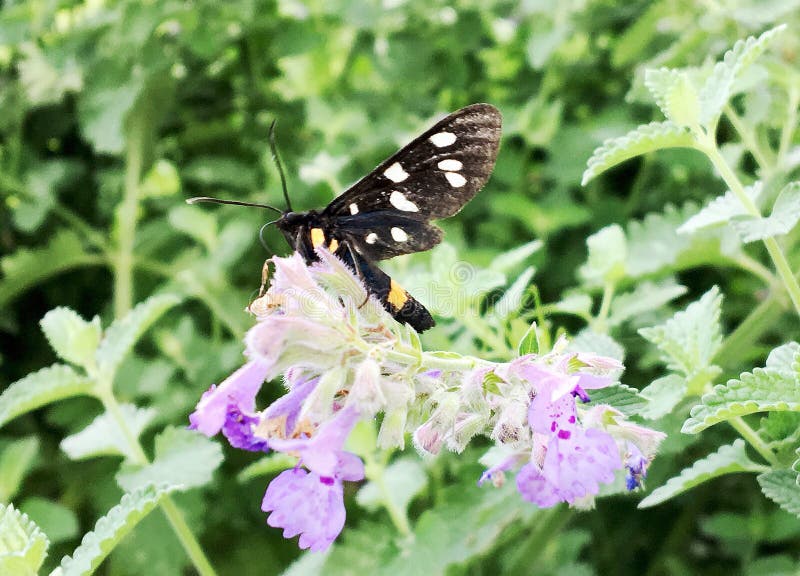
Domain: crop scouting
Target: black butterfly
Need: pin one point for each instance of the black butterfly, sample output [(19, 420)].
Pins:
[(388, 212)]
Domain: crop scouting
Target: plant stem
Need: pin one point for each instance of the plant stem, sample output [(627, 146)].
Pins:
[(126, 217), (775, 252), (599, 323), (754, 439), (168, 507), (748, 138), (790, 125), (757, 322)]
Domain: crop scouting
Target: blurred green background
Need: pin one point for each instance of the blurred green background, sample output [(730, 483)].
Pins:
[(112, 113)]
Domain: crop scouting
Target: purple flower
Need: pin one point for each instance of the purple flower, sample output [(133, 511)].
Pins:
[(312, 503), (239, 429), (636, 466), (304, 503), (239, 389), (289, 405)]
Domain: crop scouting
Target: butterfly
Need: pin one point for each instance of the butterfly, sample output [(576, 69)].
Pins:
[(389, 211)]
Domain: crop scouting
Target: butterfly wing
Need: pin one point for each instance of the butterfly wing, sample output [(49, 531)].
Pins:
[(432, 177)]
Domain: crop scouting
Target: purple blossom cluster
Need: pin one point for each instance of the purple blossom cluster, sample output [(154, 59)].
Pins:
[(344, 359)]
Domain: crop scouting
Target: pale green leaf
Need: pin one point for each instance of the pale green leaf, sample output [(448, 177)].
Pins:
[(624, 398), (103, 437), (646, 297), (644, 139), (23, 546), (102, 111), (663, 394), (507, 261), (675, 94), (608, 250), (575, 303), (728, 459), (161, 180), (15, 462), (720, 210), (781, 487), (266, 465), (123, 333), (73, 338), (587, 340), (719, 86), (401, 481), (183, 458), (529, 343), (29, 266), (689, 340), (56, 520), (111, 529), (42, 387), (762, 390), (195, 222), (512, 299), (784, 217), (783, 358)]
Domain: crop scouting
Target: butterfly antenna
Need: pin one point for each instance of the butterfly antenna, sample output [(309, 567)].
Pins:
[(277, 159), (198, 199)]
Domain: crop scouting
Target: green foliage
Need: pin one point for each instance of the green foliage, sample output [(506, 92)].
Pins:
[(22, 544), (73, 339), (110, 529), (727, 460), (16, 460), (781, 487), (104, 437), (784, 217)]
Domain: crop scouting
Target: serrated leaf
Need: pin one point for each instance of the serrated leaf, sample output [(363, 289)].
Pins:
[(57, 521), (15, 462), (401, 481), (663, 394), (719, 86), (760, 391), (783, 358), (73, 338), (781, 487), (123, 333), (608, 250), (644, 139), (37, 389), (110, 529), (728, 459), (183, 458), (27, 267), (624, 398), (689, 340), (675, 94), (784, 217), (103, 437), (720, 210), (646, 297), (23, 546)]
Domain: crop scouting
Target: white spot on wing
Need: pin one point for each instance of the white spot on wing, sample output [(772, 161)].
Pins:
[(442, 139), (399, 234), (399, 201), (456, 180), (353, 208), (395, 173), (371, 238), (450, 165)]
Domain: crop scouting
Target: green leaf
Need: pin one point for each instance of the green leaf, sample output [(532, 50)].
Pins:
[(727, 460), (719, 86), (402, 480), (781, 487), (267, 465), (600, 343), (608, 250), (624, 398), (23, 546), (689, 340), (721, 210), (644, 139), (102, 112), (782, 358), (15, 462), (196, 223), (27, 267), (507, 261), (512, 300), (675, 94), (762, 390), (161, 180), (37, 389), (784, 217), (103, 437), (57, 521), (73, 338), (123, 333), (646, 297), (663, 394), (110, 529), (183, 458), (529, 343)]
